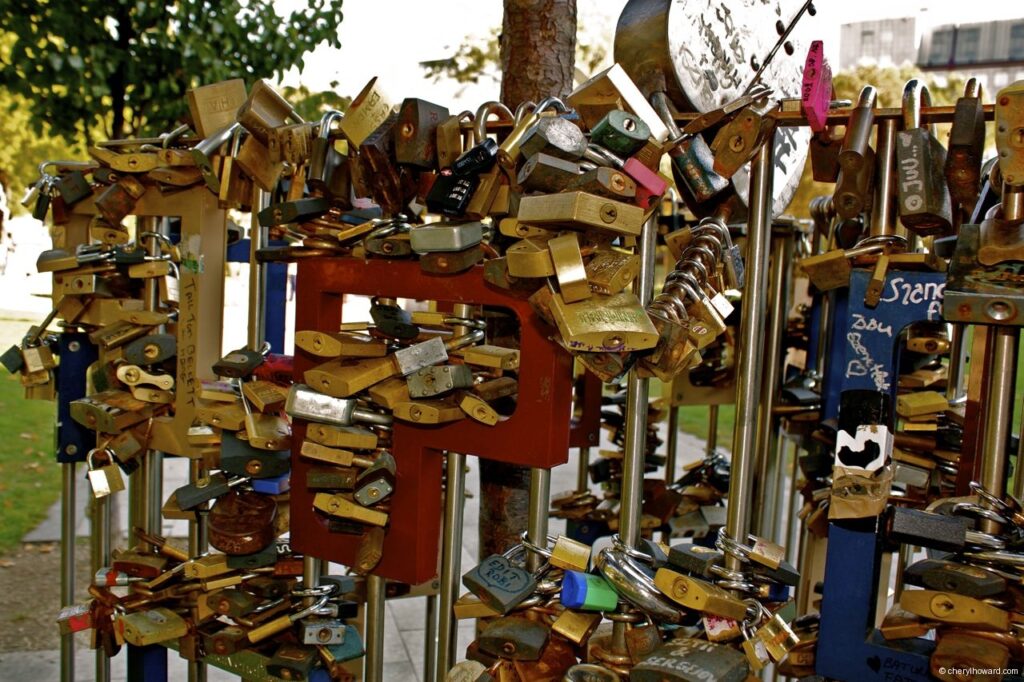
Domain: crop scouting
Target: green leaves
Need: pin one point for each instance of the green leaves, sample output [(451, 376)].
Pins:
[(122, 65)]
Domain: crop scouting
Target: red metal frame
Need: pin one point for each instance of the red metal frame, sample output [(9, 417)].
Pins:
[(537, 434)]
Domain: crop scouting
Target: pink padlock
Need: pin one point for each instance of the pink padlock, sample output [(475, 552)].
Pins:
[(816, 90), (649, 185)]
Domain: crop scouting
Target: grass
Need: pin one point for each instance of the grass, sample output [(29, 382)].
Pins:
[(30, 478)]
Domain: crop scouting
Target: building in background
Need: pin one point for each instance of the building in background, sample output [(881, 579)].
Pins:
[(992, 51), (886, 42)]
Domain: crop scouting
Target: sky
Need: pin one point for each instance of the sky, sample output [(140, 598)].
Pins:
[(390, 38)]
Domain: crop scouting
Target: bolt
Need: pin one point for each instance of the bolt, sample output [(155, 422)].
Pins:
[(628, 124), (74, 346), (1004, 100), (71, 449), (408, 129)]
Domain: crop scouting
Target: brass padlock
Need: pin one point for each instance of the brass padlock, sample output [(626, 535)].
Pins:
[(340, 380), (604, 323), (580, 210), (569, 269), (105, 479)]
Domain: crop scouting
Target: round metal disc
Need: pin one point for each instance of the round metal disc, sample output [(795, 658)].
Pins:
[(708, 53)]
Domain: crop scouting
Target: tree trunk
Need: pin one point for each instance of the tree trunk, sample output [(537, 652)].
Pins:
[(538, 55), (538, 49)]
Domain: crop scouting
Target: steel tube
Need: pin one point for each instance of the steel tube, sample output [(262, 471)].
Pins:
[(766, 449), (374, 628), (583, 470), (882, 212), (751, 346), (451, 563), (671, 442), (998, 419), (100, 558), (430, 639), (537, 521), (198, 543), (712, 442), (637, 392), (257, 273), (68, 522)]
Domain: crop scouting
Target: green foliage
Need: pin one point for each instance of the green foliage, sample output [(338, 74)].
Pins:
[(124, 66), (23, 148), (29, 474), (889, 82), (312, 105), (476, 59)]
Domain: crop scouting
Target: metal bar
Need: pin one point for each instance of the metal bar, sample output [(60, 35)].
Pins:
[(430, 640), (751, 347), (257, 273), (955, 375), (637, 391), (883, 210), (998, 419), (766, 449), (375, 599), (537, 522), (672, 443), (583, 470), (310, 577), (67, 565), (198, 543), (100, 558), (712, 442), (451, 563)]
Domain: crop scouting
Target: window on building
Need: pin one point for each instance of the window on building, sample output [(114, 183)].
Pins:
[(968, 45), (886, 39), (1017, 41), (868, 43), (941, 48)]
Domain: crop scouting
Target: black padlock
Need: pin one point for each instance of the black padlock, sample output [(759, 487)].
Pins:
[(966, 147), (376, 482), (151, 349), (451, 193), (293, 211), (293, 662), (924, 201), (478, 159), (392, 321), (514, 638), (241, 459), (949, 576), (74, 187), (238, 364)]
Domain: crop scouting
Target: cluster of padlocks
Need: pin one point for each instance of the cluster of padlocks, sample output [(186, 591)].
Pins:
[(508, 259)]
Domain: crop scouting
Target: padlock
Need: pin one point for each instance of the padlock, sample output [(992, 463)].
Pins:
[(214, 106), (340, 344), (604, 323), (449, 139), (477, 159), (254, 160), (322, 631), (546, 173), (614, 89), (73, 187), (554, 136), (293, 662), (340, 506), (419, 355), (416, 133), (478, 409), (428, 411), (225, 641), (243, 459), (966, 147), (924, 201), (689, 659), (110, 411), (445, 237), (331, 478), (377, 481), (620, 132), (370, 108), (587, 592), (389, 185), (118, 200), (264, 110), (610, 271), (650, 185), (370, 550), (323, 157), (499, 583), (296, 211), (514, 638), (205, 489), (956, 609), (738, 140), (605, 182), (696, 560), (232, 602), (392, 321), (529, 257), (580, 210), (852, 194), (816, 87), (569, 269), (693, 170), (699, 595), (341, 379), (486, 355), (509, 151), (151, 626), (342, 436), (388, 392), (105, 479), (575, 626), (434, 381), (239, 363), (938, 574)]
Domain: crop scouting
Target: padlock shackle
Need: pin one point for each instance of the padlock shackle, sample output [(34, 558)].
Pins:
[(915, 95), (484, 112), (867, 98), (972, 88), (326, 121), (551, 103)]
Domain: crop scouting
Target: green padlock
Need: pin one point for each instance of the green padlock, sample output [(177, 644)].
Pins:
[(587, 592), (620, 132)]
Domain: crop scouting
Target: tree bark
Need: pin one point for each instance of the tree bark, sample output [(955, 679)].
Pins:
[(538, 49), (538, 55)]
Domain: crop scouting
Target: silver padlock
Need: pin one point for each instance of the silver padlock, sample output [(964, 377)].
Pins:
[(445, 237), (420, 355), (323, 631), (431, 381)]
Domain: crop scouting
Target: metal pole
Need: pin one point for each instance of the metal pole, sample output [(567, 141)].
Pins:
[(751, 347), (712, 443), (766, 448), (451, 563), (430, 640), (957, 359), (257, 272), (583, 470), (999, 403), (451, 545), (882, 211), (374, 628), (637, 391), (100, 558), (198, 543), (67, 565), (672, 441), (537, 522)]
